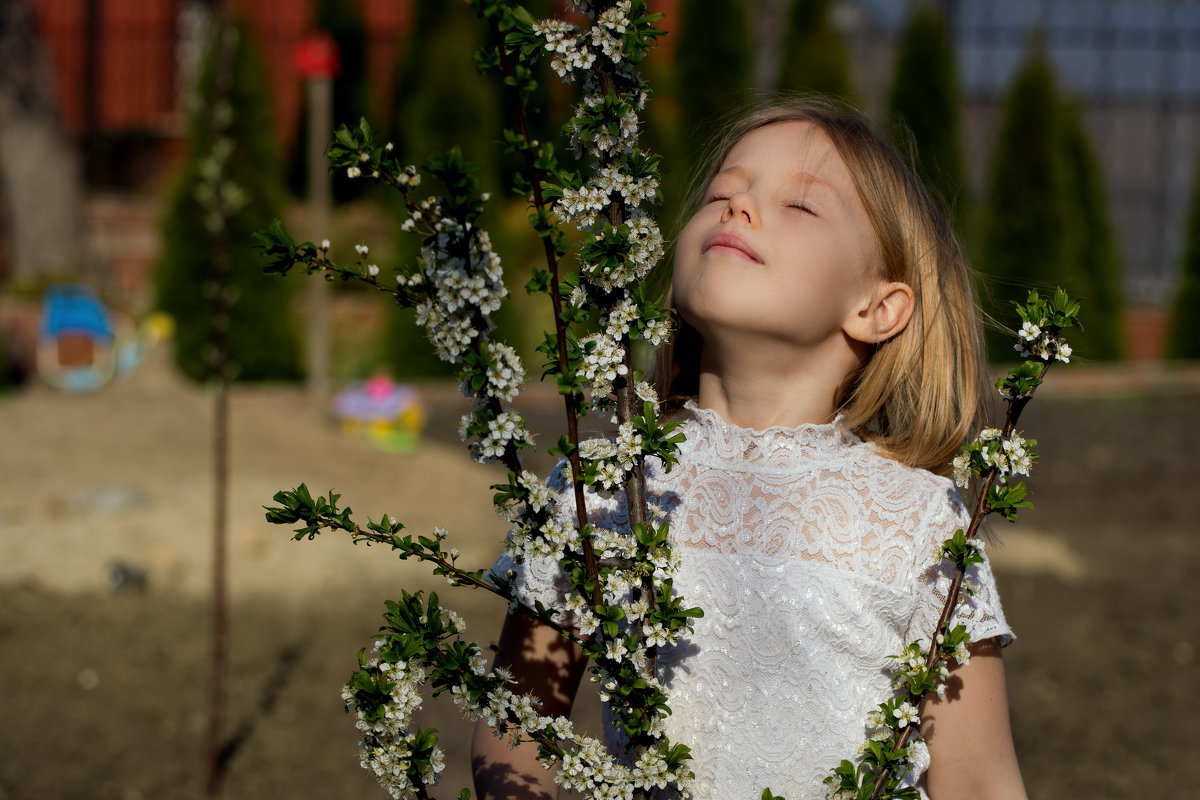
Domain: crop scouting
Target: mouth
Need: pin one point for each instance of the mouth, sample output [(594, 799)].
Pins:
[(731, 244)]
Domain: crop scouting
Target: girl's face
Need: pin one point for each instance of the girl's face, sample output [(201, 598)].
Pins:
[(782, 247)]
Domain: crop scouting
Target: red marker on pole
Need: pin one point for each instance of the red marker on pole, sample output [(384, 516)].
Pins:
[(316, 57)]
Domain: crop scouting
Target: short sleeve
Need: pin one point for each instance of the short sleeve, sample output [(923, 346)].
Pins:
[(980, 610), (540, 578)]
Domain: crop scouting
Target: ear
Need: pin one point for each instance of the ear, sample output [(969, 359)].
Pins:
[(883, 314)]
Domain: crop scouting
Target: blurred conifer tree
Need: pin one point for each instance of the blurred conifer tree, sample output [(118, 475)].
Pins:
[(441, 100), (1093, 268), (1024, 243), (1046, 219), (712, 69), (263, 343), (814, 55), (351, 97), (925, 104), (1183, 340)]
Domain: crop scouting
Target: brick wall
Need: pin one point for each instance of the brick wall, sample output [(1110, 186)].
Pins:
[(116, 62), (126, 78)]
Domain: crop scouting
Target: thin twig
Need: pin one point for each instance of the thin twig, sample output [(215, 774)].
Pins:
[(982, 509), (570, 401)]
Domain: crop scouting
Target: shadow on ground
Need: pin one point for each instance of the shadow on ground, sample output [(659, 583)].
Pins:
[(103, 690)]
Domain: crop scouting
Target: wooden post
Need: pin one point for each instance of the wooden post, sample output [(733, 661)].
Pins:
[(316, 57), (320, 125)]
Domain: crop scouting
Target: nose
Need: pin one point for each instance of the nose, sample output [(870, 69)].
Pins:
[(741, 205)]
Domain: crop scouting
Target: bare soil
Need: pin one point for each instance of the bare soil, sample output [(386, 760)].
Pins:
[(105, 542)]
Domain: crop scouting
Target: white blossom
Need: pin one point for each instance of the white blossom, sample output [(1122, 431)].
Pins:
[(386, 746), (905, 714), (581, 206), (506, 428), (540, 495), (656, 634), (645, 392), (505, 373), (463, 291), (455, 620), (616, 649), (962, 470), (1038, 342), (603, 364), (629, 445), (570, 54)]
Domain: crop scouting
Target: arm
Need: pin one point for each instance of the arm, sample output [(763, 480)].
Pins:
[(970, 742), (548, 666)]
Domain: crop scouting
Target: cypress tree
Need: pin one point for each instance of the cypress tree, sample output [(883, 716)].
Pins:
[(1183, 340), (351, 99), (814, 55), (1093, 269), (1024, 243), (262, 340), (440, 101), (924, 103), (712, 68)]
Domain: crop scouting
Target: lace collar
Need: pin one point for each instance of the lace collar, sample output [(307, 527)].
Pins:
[(713, 439)]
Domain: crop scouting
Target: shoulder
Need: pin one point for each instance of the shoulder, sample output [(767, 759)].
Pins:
[(931, 497)]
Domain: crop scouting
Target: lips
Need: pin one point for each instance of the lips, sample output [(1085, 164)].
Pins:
[(732, 244)]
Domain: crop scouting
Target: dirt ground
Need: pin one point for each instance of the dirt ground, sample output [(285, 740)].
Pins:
[(103, 686)]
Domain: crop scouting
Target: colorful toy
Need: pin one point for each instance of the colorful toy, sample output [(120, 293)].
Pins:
[(77, 349), (389, 415)]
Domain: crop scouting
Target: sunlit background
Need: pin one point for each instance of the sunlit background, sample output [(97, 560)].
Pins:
[(1061, 136)]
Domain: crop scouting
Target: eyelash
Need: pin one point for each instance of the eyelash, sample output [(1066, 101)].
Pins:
[(801, 206), (715, 198)]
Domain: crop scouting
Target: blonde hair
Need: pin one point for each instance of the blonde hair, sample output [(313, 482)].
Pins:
[(921, 394)]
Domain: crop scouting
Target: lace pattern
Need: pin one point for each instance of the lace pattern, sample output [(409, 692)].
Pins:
[(810, 554)]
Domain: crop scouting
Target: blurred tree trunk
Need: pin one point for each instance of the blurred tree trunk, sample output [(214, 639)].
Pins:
[(41, 174)]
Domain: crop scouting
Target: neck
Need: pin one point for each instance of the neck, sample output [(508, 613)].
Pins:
[(757, 385)]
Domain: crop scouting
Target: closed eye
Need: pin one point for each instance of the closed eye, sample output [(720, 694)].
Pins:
[(716, 198), (804, 207)]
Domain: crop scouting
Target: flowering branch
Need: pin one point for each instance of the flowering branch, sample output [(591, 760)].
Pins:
[(620, 581), (619, 245), (886, 759), (540, 166)]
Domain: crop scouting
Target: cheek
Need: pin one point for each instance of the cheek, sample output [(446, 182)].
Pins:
[(687, 253)]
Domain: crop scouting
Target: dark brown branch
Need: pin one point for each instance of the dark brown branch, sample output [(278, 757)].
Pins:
[(570, 401), (982, 509)]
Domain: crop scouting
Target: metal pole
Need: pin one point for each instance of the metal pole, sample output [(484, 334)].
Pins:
[(320, 123)]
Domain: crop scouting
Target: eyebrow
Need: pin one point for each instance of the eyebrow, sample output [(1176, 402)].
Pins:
[(801, 176)]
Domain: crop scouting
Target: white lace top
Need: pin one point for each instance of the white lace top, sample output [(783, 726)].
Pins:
[(810, 554)]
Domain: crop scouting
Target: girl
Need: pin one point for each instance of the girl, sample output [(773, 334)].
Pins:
[(829, 364)]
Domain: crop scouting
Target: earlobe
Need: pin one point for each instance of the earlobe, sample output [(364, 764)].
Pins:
[(885, 314)]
